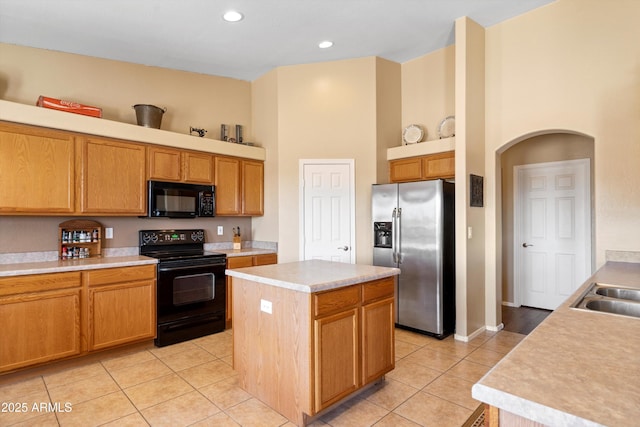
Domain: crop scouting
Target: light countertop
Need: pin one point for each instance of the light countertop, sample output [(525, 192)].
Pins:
[(577, 367), (60, 266), (244, 252), (312, 275)]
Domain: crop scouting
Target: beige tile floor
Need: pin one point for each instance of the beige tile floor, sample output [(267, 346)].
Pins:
[(193, 384)]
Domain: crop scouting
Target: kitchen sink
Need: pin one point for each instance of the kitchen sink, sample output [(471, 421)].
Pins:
[(610, 299), (619, 293)]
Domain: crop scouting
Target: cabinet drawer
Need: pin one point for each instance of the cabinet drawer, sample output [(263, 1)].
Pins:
[(331, 301), (382, 288), (239, 261), (38, 283), (266, 259), (106, 276)]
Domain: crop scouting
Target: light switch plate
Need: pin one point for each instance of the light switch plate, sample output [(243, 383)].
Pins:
[(266, 306), (108, 233), (220, 230)]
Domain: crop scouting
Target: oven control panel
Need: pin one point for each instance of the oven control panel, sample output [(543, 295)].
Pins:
[(168, 237)]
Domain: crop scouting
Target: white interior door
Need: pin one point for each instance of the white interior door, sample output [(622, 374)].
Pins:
[(552, 231), (327, 211)]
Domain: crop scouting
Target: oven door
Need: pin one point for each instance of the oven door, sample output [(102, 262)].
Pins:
[(186, 291)]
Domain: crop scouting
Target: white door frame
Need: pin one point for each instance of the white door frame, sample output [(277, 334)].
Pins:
[(352, 200), (517, 223)]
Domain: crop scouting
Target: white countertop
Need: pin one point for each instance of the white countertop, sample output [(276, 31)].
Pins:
[(312, 275), (60, 266), (577, 368)]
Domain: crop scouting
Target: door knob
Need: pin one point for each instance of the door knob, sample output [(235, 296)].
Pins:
[(526, 245), (344, 248)]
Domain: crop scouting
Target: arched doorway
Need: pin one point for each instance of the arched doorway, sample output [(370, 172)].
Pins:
[(541, 147)]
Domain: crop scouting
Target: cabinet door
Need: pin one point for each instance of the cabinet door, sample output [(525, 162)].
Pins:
[(405, 170), (337, 358), (441, 165), (198, 167), (378, 355), (252, 188), (164, 163), (265, 259), (113, 177), (37, 170), (39, 327), (227, 181), (121, 313)]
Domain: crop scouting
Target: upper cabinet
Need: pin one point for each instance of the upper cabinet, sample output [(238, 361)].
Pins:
[(171, 164), (49, 172), (432, 166), (37, 170), (113, 177), (239, 186)]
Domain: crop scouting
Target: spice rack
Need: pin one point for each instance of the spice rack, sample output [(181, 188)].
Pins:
[(80, 238)]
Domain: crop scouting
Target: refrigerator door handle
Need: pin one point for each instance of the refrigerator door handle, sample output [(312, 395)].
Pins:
[(399, 236), (394, 234)]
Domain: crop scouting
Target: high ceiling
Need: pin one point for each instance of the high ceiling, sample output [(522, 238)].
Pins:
[(190, 35)]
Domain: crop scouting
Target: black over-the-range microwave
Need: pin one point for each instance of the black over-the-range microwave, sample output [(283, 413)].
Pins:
[(180, 200)]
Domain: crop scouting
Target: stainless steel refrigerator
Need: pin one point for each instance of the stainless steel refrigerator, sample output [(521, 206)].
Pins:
[(414, 230)]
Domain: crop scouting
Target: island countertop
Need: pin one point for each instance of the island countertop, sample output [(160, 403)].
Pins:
[(577, 367), (312, 275)]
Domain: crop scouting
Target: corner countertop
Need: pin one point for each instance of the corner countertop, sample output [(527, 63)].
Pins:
[(312, 275), (577, 367), (61, 266)]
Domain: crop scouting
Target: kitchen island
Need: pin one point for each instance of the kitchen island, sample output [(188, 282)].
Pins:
[(310, 334), (577, 368)]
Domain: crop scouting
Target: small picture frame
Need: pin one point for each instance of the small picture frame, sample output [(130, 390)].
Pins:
[(477, 196)]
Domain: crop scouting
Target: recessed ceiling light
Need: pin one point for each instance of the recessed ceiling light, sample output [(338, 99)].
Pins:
[(232, 16), (325, 44)]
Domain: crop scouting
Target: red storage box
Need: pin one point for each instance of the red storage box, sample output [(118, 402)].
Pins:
[(70, 107)]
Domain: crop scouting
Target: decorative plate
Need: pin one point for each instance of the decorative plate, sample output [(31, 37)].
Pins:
[(447, 127), (412, 134)]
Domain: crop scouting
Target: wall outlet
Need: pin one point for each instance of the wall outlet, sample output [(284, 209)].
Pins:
[(266, 306), (108, 233), (469, 233), (220, 230)]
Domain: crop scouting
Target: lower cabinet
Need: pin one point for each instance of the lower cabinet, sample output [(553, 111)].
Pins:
[(40, 318), (353, 339), (122, 306), (240, 262), (46, 317), (305, 352)]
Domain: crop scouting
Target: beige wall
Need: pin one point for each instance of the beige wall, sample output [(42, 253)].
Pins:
[(570, 66), (324, 111), (191, 100), (428, 91), (538, 149)]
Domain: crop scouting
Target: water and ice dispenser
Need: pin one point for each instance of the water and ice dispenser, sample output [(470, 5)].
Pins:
[(382, 234)]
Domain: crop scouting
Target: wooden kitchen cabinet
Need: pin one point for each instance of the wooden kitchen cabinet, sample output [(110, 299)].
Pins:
[(252, 188), (37, 170), (354, 340), (433, 166), (240, 262), (170, 164), (239, 186), (113, 178), (40, 317), (121, 305), (336, 344), (378, 329)]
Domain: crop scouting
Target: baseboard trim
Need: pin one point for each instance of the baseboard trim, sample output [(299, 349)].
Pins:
[(510, 304), (470, 336), (496, 328)]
